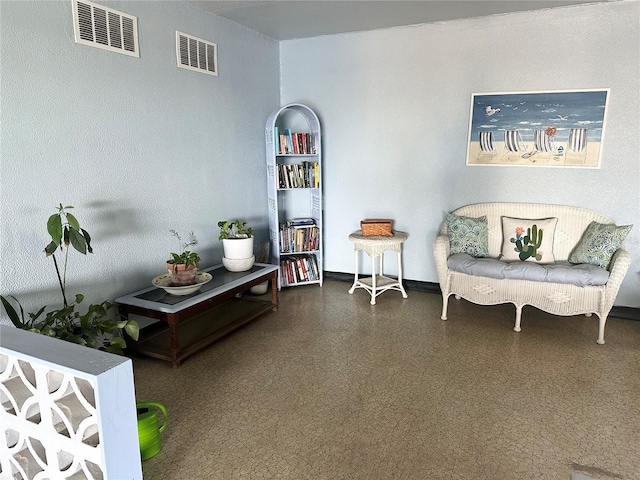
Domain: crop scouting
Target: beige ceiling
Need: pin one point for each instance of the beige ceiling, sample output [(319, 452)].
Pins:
[(285, 20)]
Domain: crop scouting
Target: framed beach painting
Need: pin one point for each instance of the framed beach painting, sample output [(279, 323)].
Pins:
[(545, 129)]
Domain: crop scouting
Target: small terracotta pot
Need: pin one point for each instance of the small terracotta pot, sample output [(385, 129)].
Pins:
[(181, 276)]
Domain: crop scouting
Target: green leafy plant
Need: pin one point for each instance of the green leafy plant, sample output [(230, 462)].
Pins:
[(95, 328), (185, 257), (234, 230)]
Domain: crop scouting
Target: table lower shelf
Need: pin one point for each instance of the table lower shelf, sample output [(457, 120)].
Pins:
[(382, 285), (381, 282), (201, 330)]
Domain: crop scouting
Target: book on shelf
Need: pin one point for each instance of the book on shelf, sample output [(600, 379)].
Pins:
[(298, 176), (312, 144), (289, 139), (314, 266), (301, 222), (303, 175), (293, 143), (298, 239), (282, 144), (296, 269)]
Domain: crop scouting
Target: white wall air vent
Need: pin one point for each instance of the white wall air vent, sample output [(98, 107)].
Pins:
[(196, 54), (105, 28)]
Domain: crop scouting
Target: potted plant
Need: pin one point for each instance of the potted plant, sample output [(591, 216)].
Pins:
[(97, 327), (183, 266), (237, 243)]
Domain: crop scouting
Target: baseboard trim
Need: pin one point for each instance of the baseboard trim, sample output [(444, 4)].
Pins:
[(628, 313), (408, 284)]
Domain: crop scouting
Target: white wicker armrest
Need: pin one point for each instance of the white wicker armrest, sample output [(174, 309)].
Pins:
[(618, 268), (441, 253)]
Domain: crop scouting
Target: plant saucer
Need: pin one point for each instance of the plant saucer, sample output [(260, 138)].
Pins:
[(164, 282)]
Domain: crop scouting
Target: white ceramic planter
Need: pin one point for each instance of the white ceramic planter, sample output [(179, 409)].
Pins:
[(260, 289), (237, 248), (238, 264)]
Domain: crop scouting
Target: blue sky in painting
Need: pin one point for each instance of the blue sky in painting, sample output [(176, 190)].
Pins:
[(528, 112)]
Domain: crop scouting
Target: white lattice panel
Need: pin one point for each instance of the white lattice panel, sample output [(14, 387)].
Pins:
[(68, 412)]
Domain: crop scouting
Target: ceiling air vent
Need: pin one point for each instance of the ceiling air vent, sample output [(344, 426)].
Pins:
[(105, 28), (196, 54)]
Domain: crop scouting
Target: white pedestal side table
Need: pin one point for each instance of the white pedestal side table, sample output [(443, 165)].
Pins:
[(375, 247)]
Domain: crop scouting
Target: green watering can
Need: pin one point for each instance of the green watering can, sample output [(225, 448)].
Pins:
[(148, 429)]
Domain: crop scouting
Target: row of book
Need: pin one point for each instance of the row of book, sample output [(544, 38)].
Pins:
[(303, 268), (295, 239), (303, 175), (289, 143)]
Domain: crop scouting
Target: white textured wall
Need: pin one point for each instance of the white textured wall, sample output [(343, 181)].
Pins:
[(394, 107), (137, 145)]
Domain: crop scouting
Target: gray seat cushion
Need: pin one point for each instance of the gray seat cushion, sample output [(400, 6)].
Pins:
[(560, 272)]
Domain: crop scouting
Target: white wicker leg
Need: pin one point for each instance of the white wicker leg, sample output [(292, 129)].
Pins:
[(373, 279), (601, 323), (518, 318), (404, 293), (355, 280), (445, 303)]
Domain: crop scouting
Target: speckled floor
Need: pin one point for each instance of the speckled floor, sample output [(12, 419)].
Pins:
[(330, 387)]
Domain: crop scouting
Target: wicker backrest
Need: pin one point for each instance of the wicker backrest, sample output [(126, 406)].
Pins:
[(572, 222)]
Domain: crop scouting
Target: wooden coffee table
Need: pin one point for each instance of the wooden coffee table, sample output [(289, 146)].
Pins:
[(195, 321)]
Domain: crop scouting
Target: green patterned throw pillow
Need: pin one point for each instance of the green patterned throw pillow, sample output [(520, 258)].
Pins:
[(468, 235), (599, 242)]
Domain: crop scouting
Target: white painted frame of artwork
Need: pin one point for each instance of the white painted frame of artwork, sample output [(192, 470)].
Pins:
[(553, 128)]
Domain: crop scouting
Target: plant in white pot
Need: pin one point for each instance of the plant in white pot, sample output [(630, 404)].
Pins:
[(237, 243), (183, 266)]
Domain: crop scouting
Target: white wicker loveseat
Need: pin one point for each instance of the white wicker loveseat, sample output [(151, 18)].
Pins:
[(557, 298)]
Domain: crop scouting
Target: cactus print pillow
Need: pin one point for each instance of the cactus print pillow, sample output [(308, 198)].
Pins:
[(468, 235), (599, 243), (528, 240)]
